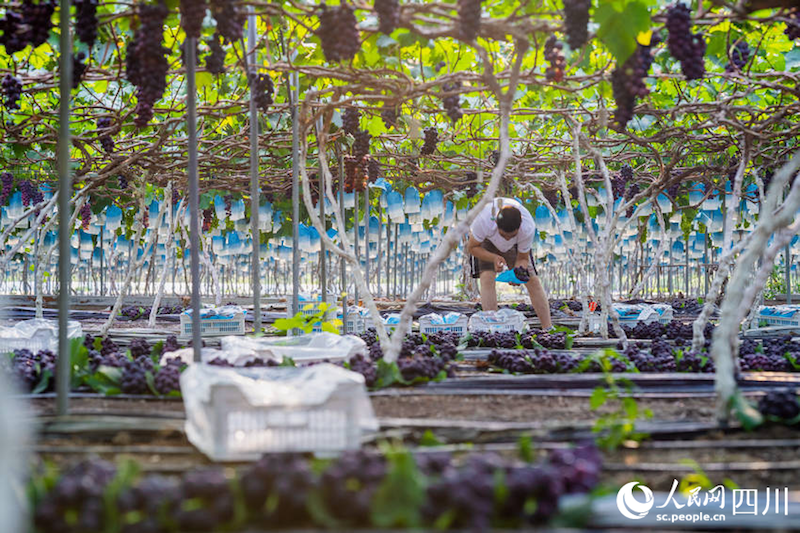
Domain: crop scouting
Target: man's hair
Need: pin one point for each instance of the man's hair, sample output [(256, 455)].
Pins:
[(509, 219)]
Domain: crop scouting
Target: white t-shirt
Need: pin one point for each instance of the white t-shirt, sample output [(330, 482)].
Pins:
[(484, 227)]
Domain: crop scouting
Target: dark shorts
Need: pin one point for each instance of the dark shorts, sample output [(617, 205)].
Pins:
[(478, 265)]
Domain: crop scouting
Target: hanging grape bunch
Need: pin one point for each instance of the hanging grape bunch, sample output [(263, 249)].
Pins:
[(215, 60), (618, 187), (554, 54), (361, 144), (431, 140), (103, 127), (373, 170), (792, 30), (684, 46), (176, 195), (452, 103), (7, 180), (123, 181), (351, 120), (494, 157), (38, 19), (674, 190), (192, 14), (471, 178), (78, 69), (86, 21), (26, 189), (632, 191), (313, 179), (354, 174), (12, 33), (552, 196), (388, 15), (740, 54), (228, 205), (261, 85), (389, 115), (576, 19), (31, 25), (338, 32), (230, 20), (12, 90), (208, 218), (86, 215), (469, 19), (626, 172), (627, 82), (147, 61), (766, 179)]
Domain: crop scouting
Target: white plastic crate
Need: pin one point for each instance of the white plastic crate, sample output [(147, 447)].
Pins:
[(308, 308), (499, 321), (214, 327), (430, 324), (240, 414), (780, 315)]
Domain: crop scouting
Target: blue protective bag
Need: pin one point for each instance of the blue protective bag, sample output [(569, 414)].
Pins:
[(509, 277)]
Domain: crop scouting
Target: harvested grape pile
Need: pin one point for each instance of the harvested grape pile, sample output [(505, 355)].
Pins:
[(101, 366), (421, 359), (358, 489), (661, 355)]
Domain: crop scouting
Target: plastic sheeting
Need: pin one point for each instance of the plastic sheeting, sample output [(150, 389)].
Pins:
[(35, 335)]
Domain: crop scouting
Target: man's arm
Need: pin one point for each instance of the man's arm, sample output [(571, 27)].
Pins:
[(475, 249)]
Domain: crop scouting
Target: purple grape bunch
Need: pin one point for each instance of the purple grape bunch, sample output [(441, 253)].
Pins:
[(686, 47), (12, 91)]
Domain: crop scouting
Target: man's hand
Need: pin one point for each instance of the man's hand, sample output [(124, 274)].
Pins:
[(499, 263)]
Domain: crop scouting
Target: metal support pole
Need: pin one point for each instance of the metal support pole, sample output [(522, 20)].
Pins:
[(64, 213), (671, 263), (705, 261), (355, 240), (396, 253), (788, 262), (194, 191), (366, 237), (378, 266), (255, 192), (686, 272), (388, 257), (323, 254), (341, 237), (293, 102)]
